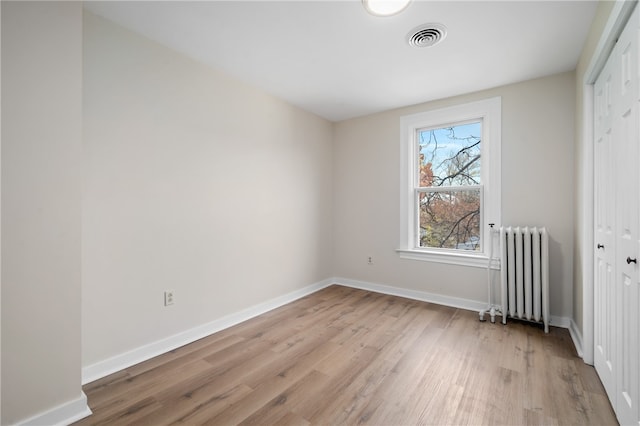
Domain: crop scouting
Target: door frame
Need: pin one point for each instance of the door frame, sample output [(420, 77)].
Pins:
[(615, 24)]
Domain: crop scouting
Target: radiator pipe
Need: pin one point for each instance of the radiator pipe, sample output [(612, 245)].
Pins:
[(491, 309)]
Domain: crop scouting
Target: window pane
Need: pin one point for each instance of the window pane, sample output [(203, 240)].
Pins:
[(450, 219), (450, 156)]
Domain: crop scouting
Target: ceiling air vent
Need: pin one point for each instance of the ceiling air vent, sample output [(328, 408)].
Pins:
[(427, 35)]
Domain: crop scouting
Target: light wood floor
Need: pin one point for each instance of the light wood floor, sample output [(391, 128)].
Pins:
[(347, 356)]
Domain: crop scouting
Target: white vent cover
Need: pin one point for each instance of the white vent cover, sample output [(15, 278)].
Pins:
[(427, 35)]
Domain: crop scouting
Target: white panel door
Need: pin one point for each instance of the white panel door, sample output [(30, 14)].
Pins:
[(617, 224), (604, 217), (626, 132)]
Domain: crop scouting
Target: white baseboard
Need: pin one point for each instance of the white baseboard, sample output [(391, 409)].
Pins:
[(63, 414), (562, 322), (455, 302), (143, 353), (576, 336)]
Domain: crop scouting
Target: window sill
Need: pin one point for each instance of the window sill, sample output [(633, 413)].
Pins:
[(461, 259)]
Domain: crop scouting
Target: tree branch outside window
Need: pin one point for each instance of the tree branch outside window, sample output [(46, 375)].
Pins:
[(449, 187)]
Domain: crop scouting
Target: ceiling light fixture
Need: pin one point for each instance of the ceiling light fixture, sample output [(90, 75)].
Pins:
[(385, 7)]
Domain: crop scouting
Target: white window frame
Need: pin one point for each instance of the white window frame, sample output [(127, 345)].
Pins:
[(489, 111)]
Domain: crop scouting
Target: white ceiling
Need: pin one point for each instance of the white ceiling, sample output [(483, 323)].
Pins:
[(337, 61)]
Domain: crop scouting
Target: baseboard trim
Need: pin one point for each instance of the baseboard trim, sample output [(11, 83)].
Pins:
[(454, 302), (562, 322), (63, 414), (576, 336), (143, 353)]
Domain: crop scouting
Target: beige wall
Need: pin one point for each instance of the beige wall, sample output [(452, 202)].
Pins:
[(193, 182), (41, 149), (599, 22), (537, 186)]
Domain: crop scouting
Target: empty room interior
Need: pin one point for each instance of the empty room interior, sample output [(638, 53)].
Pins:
[(320, 212)]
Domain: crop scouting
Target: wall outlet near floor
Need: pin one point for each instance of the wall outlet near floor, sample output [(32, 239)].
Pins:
[(168, 297)]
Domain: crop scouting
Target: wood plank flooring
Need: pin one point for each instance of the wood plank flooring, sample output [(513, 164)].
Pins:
[(347, 356)]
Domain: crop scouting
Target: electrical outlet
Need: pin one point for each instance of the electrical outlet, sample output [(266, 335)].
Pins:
[(370, 260), (168, 297)]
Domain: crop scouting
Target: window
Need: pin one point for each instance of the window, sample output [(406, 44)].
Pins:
[(449, 187), (450, 182)]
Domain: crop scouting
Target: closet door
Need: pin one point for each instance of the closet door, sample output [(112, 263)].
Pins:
[(617, 224), (627, 131), (604, 217)]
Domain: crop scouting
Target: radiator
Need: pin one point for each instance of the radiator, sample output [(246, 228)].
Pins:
[(524, 274)]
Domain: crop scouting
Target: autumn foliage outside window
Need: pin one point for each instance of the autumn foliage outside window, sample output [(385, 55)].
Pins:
[(449, 191)]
